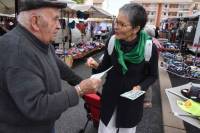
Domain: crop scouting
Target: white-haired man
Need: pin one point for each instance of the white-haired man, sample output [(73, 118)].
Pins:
[(31, 96)]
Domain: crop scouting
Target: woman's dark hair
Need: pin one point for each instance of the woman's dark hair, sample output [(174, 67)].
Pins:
[(136, 14)]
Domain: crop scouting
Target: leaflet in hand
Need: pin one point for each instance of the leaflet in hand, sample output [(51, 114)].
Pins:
[(100, 75), (132, 95)]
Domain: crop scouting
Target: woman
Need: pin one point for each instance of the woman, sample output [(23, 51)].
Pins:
[(130, 71)]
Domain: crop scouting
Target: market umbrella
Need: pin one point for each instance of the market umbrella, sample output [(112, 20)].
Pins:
[(94, 12), (174, 94), (7, 6)]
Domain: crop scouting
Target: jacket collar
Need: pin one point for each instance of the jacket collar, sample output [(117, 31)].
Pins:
[(35, 41)]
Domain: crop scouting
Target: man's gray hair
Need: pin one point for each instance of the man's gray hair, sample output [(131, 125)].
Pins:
[(24, 18)]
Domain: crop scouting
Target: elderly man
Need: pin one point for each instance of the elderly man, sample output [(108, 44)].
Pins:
[(31, 96)]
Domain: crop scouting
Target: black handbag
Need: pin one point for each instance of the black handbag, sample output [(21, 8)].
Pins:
[(192, 93)]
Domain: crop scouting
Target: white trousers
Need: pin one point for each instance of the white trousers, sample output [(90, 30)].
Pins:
[(111, 128)]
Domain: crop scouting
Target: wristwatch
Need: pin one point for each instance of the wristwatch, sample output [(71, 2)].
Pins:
[(80, 91)]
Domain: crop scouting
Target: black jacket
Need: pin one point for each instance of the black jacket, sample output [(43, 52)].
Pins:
[(129, 113), (31, 96)]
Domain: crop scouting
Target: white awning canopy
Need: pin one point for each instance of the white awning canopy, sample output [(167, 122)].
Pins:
[(7, 6), (7, 15), (94, 12)]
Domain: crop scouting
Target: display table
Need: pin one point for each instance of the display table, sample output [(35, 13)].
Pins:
[(79, 51), (83, 50), (174, 94)]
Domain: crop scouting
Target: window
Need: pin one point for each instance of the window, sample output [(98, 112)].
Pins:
[(173, 6), (181, 6), (153, 5), (146, 5), (172, 13), (195, 6)]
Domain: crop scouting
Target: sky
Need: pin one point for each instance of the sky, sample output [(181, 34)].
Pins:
[(112, 6)]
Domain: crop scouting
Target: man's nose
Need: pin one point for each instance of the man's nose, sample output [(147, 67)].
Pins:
[(58, 26)]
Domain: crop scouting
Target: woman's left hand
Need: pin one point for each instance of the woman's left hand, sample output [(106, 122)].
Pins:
[(137, 88), (91, 63)]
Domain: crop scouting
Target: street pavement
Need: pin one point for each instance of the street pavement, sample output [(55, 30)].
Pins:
[(73, 119)]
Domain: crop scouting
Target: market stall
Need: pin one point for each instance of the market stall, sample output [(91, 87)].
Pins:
[(83, 21), (181, 56), (7, 22), (96, 19)]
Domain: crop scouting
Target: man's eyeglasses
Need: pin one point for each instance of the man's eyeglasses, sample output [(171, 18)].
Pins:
[(121, 24)]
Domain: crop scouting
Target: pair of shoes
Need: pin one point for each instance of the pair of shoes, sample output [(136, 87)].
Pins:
[(147, 105)]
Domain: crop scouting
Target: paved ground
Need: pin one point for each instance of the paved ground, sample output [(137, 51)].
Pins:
[(74, 118)]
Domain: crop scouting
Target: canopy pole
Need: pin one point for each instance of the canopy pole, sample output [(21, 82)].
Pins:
[(16, 7)]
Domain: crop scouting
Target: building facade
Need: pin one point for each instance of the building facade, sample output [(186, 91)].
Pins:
[(160, 9), (97, 3), (195, 6)]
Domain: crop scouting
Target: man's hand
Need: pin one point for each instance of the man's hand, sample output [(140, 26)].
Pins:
[(90, 85)]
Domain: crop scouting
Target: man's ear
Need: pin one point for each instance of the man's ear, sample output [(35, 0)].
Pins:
[(34, 23)]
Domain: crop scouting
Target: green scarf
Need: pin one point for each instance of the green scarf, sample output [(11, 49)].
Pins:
[(136, 55)]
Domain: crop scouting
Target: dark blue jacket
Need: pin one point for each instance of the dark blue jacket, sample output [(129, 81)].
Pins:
[(31, 96)]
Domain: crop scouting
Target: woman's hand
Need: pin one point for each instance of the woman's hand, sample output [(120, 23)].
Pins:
[(91, 63), (136, 88)]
